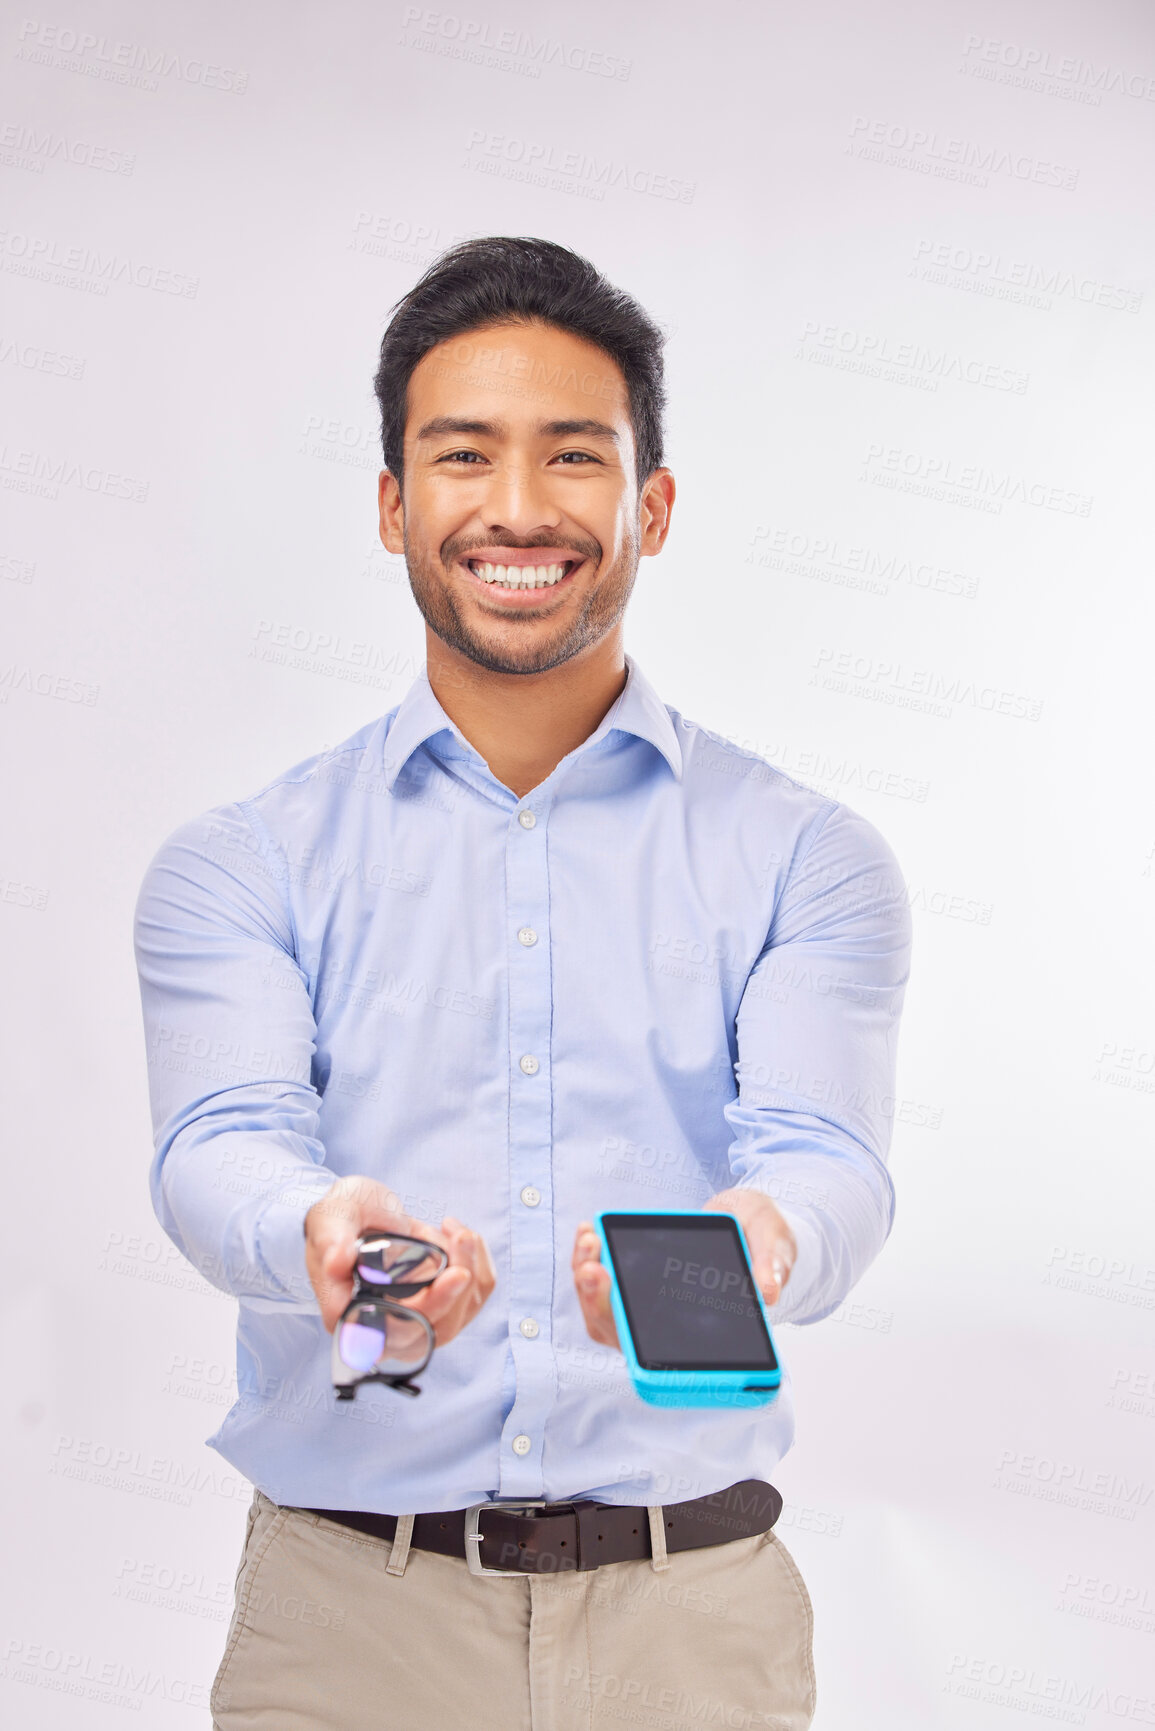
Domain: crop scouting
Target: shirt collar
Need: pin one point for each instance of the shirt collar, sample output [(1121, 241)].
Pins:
[(637, 710)]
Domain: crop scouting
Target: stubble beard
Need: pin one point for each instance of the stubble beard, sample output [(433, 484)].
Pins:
[(507, 647)]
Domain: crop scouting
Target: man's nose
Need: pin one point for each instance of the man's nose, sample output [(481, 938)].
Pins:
[(517, 500)]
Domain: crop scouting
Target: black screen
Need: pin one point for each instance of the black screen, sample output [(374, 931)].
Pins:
[(688, 1293)]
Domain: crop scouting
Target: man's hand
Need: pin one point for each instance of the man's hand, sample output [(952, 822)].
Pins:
[(356, 1205), (772, 1253)]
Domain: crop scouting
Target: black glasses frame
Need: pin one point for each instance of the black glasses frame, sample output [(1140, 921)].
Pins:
[(368, 1294)]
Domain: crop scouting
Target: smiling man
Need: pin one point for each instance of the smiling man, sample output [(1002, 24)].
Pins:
[(529, 946)]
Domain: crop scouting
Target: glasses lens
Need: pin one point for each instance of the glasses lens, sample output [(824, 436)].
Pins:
[(361, 1344), (372, 1339), (399, 1262)]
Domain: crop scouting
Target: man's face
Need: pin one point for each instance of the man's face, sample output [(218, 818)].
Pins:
[(521, 521)]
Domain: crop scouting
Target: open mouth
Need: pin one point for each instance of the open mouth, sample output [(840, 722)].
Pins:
[(521, 577)]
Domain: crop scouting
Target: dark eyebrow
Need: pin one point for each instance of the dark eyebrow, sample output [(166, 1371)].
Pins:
[(443, 424), (578, 430)]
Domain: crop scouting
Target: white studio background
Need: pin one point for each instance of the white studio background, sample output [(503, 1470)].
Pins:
[(904, 256)]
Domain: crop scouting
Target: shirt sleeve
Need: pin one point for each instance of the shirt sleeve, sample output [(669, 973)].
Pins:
[(230, 1038), (817, 1031)]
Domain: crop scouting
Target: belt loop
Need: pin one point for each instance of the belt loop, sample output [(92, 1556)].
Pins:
[(658, 1557), (402, 1538)]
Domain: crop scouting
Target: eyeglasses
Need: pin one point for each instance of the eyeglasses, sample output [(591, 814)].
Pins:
[(377, 1339)]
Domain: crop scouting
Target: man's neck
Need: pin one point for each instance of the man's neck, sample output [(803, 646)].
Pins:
[(523, 724)]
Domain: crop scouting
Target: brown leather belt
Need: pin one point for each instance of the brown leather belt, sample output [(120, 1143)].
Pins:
[(537, 1538)]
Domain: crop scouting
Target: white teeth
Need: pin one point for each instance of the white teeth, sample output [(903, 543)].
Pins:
[(519, 576)]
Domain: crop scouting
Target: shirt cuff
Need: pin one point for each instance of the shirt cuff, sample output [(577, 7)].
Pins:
[(281, 1240)]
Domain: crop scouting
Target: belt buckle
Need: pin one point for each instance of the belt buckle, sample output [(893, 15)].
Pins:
[(473, 1535)]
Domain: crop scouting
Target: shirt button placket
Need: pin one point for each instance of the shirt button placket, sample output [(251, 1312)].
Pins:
[(530, 1152)]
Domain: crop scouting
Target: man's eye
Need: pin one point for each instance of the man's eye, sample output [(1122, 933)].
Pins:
[(582, 456), (461, 457)]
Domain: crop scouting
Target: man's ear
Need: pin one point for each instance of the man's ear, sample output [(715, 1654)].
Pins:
[(392, 512), (654, 508)]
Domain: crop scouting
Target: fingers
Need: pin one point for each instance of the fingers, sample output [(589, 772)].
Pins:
[(461, 1289), (593, 1283), (772, 1276), (772, 1253), (333, 1225), (772, 1245)]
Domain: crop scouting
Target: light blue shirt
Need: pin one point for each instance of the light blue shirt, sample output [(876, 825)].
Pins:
[(666, 970)]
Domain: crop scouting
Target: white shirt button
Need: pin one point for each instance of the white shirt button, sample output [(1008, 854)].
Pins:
[(521, 1445), (530, 1196), (527, 936), (529, 1064), (529, 1328), (526, 819)]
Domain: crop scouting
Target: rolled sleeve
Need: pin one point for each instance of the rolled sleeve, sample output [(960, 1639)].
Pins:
[(817, 1035), (230, 1039)]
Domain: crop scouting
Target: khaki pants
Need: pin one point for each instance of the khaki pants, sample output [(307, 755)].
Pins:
[(337, 1631)]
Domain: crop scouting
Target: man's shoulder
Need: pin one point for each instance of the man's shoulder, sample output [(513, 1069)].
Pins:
[(714, 762), (299, 801), (806, 823), (355, 765)]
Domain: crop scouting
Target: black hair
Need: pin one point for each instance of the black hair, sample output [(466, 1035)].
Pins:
[(500, 280)]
